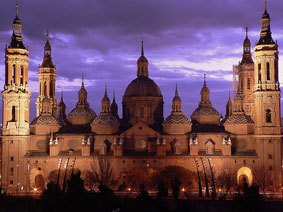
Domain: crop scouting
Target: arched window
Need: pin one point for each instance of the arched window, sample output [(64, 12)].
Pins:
[(45, 89), (13, 113), (242, 85), (268, 116), (259, 72), (267, 71), (22, 76), (14, 73), (276, 70)]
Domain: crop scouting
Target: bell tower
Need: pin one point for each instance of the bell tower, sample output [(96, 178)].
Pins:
[(267, 89), (16, 95), (47, 80)]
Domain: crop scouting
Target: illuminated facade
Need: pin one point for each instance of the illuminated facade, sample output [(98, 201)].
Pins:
[(248, 136)]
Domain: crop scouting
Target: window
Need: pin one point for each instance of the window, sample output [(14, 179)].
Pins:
[(249, 84), (276, 70), (11, 142), (134, 161), (244, 161), (271, 183), (154, 161), (11, 182), (22, 76), (123, 161), (269, 156), (259, 72), (13, 113), (270, 141), (242, 85), (144, 161), (14, 73), (12, 159), (267, 71), (253, 161), (235, 161), (268, 116), (270, 168), (12, 171)]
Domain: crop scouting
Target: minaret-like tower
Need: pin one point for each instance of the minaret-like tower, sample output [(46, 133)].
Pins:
[(244, 99), (176, 103), (47, 80), (61, 109), (142, 64), (114, 107), (16, 95), (16, 101), (267, 89), (105, 104), (228, 107)]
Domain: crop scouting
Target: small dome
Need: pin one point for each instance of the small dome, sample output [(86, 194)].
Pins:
[(142, 86), (204, 90), (176, 98), (45, 99), (238, 119), (105, 119), (17, 21), (45, 120), (205, 111), (82, 111), (82, 90), (176, 119)]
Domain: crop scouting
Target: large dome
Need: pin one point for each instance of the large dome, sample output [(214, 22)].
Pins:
[(142, 86), (45, 120)]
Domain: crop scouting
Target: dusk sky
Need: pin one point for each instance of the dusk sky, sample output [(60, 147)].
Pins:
[(183, 39)]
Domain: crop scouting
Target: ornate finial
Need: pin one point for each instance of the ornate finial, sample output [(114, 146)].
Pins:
[(229, 95), (83, 84), (204, 80), (61, 95), (142, 52), (176, 90), (247, 31), (265, 5), (17, 9)]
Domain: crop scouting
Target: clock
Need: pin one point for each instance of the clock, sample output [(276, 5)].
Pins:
[(140, 144)]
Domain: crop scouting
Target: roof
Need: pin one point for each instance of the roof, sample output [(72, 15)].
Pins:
[(82, 111), (205, 111), (105, 119), (142, 86), (45, 120), (238, 119), (176, 119)]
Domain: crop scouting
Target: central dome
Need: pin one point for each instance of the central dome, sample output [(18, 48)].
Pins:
[(142, 86)]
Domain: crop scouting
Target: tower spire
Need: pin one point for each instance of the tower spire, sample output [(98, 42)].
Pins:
[(204, 80), (114, 100), (105, 94), (47, 35), (17, 10), (142, 51), (265, 6), (176, 90), (83, 84), (247, 31)]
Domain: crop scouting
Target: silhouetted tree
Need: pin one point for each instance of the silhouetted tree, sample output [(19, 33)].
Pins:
[(162, 190), (52, 198), (262, 177), (175, 184)]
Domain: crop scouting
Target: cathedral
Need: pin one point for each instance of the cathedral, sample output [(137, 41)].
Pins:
[(249, 135)]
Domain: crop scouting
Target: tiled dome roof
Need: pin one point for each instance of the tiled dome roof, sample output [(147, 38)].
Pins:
[(82, 111), (45, 120), (238, 119), (205, 111), (176, 119), (105, 119), (142, 86)]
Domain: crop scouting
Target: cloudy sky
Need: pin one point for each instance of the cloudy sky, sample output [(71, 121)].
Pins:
[(101, 39)]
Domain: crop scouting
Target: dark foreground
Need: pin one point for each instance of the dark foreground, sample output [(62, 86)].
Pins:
[(25, 204)]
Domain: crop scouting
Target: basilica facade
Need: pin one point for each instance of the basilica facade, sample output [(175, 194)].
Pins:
[(249, 135)]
